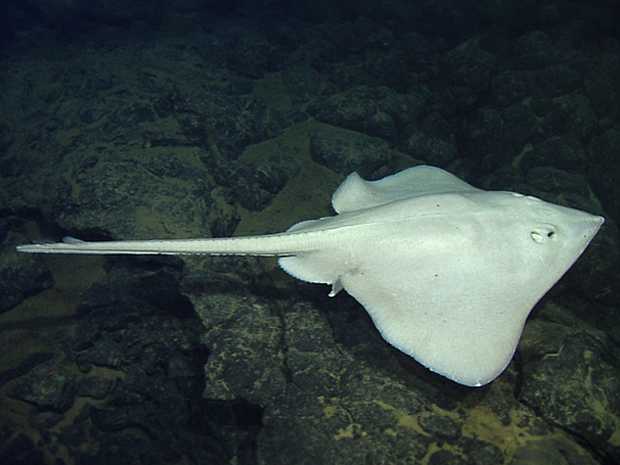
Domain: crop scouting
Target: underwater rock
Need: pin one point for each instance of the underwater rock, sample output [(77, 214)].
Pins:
[(562, 152), (4, 229), (49, 386), (253, 368), (306, 384), (27, 364), (552, 180), (115, 196), (302, 82), (444, 457), (570, 378), (556, 451), (7, 136), (471, 69), (440, 426), (483, 453), (606, 169), (602, 86), (19, 449), (254, 185), (378, 111), (224, 121), (539, 66), (433, 141), (321, 373), (498, 136), (95, 387), (510, 86), (571, 115), (252, 55), (483, 132), (20, 276), (346, 151), (140, 374)]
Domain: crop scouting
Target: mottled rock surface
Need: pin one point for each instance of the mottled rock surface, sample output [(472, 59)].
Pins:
[(346, 151), (20, 277)]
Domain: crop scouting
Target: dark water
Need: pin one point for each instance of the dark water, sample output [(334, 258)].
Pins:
[(188, 118)]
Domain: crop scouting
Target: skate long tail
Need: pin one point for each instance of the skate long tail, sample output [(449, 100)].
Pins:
[(283, 244)]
